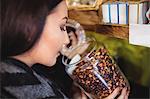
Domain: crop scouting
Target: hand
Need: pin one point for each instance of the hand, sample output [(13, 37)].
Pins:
[(124, 94), (67, 50), (77, 93), (73, 38), (74, 48)]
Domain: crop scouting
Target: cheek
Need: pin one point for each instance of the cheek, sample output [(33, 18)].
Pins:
[(49, 46), (54, 45), (56, 39)]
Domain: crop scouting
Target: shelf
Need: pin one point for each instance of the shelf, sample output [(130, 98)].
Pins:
[(117, 31), (91, 21), (89, 17)]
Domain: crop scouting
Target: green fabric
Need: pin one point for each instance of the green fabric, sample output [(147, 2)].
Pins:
[(136, 58)]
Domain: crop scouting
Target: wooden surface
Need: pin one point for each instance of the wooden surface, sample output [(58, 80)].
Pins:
[(118, 31), (92, 21), (85, 17)]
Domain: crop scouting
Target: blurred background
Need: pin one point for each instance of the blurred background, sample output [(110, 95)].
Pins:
[(133, 60)]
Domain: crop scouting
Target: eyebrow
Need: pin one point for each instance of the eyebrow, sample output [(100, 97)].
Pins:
[(65, 18)]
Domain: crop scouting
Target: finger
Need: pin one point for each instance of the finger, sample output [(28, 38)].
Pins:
[(123, 94), (127, 95), (72, 36), (113, 94), (83, 96), (71, 33), (74, 40)]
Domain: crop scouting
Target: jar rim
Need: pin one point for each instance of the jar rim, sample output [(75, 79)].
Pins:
[(90, 41)]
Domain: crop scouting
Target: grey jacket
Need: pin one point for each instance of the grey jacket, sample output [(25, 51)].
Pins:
[(21, 82)]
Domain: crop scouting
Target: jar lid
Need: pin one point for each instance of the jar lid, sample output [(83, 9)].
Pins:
[(78, 32)]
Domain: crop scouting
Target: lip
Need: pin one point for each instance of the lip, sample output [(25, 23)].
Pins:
[(63, 49), (58, 54)]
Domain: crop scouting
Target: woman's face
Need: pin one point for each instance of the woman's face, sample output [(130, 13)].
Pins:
[(53, 37)]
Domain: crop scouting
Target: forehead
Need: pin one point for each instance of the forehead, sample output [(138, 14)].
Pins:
[(61, 10)]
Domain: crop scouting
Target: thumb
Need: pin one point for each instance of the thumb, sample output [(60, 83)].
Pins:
[(113, 94), (83, 96)]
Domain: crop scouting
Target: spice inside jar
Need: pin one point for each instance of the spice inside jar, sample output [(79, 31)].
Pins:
[(95, 71)]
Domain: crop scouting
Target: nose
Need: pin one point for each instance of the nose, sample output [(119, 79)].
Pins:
[(66, 41)]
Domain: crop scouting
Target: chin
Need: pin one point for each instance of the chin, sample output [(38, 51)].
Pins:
[(50, 62), (53, 62)]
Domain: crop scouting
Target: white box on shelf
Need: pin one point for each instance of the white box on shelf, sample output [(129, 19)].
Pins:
[(133, 13), (114, 13), (105, 13), (123, 13), (139, 34)]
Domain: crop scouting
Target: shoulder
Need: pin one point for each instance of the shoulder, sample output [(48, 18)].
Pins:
[(15, 81), (6, 67), (22, 84)]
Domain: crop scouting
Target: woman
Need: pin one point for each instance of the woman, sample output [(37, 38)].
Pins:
[(33, 31)]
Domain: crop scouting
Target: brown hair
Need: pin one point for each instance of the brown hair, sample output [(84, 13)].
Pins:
[(22, 24)]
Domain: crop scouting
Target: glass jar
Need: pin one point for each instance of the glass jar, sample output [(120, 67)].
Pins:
[(91, 66), (93, 69)]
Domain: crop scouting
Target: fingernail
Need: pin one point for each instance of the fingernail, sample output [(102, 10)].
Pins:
[(125, 88), (118, 88), (128, 93)]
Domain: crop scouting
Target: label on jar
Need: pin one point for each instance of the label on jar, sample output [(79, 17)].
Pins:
[(72, 63)]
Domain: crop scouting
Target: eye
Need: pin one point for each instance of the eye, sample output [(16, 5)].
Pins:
[(63, 28)]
